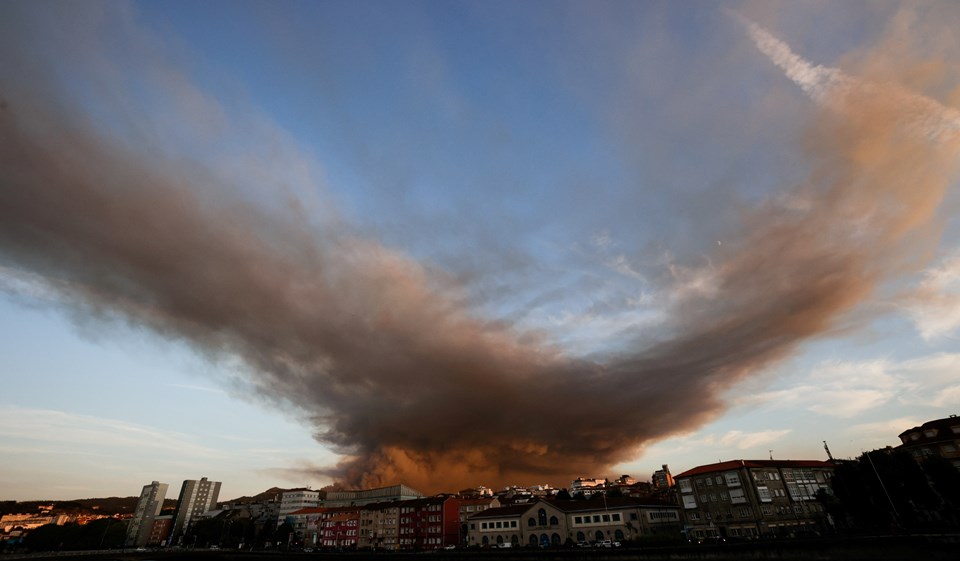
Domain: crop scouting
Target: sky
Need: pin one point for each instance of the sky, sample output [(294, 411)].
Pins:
[(451, 244)]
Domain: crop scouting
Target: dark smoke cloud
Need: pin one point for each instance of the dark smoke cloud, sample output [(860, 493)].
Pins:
[(396, 371)]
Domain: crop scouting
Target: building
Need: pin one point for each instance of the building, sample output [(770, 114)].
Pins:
[(429, 523), (380, 526), (148, 508), (196, 497), (469, 507), (581, 484), (752, 498), (940, 437), (553, 523), (341, 529), (359, 497), (296, 499), (162, 527), (662, 479)]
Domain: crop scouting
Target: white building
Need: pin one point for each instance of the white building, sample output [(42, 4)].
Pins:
[(148, 508), (296, 499)]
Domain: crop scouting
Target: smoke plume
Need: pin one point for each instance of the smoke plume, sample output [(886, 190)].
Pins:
[(398, 373)]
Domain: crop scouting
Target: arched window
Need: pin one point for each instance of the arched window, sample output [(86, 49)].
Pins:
[(619, 535), (555, 539), (515, 539), (486, 540), (531, 522), (544, 540), (499, 540), (542, 515), (598, 536), (533, 540), (554, 521), (581, 537)]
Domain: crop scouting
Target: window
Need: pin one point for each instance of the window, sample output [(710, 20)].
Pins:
[(578, 520), (531, 522), (483, 525), (554, 521), (616, 517), (737, 496), (744, 512), (542, 517), (606, 518), (685, 486), (930, 433), (688, 502), (766, 509), (694, 516), (499, 524), (618, 535), (733, 480), (596, 518), (709, 482), (764, 494), (633, 515), (533, 541), (719, 480), (581, 537)]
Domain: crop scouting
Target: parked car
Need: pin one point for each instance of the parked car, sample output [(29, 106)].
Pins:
[(583, 544), (603, 543)]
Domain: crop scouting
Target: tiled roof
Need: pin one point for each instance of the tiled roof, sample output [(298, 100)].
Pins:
[(501, 512), (595, 504), (737, 464)]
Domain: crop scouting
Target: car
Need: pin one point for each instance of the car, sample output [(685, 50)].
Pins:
[(214, 547), (308, 550), (583, 544), (603, 543), (504, 545), (451, 546)]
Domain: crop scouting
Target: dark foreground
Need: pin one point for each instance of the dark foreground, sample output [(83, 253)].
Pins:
[(940, 547)]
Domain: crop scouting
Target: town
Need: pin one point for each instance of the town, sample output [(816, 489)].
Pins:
[(914, 486)]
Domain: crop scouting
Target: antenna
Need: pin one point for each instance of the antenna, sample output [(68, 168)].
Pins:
[(771, 454), (827, 448)]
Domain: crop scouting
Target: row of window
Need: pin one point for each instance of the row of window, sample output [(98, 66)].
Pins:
[(600, 518), (498, 524)]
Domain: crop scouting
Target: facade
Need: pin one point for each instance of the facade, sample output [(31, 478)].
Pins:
[(662, 479), (380, 526), (429, 523), (148, 508), (940, 437), (556, 523), (752, 498), (469, 507), (162, 525), (196, 497), (367, 496), (296, 499), (581, 484), (341, 529)]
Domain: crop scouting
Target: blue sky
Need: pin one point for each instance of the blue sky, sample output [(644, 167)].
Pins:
[(568, 192)]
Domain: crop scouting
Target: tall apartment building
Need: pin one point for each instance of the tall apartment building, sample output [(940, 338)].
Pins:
[(148, 508), (662, 479), (749, 498), (196, 497)]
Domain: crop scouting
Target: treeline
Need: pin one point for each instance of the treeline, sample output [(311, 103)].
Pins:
[(105, 533), (105, 505)]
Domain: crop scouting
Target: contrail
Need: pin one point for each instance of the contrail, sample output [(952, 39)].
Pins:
[(830, 87)]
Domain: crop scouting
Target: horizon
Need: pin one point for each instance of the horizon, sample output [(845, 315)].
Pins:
[(451, 244)]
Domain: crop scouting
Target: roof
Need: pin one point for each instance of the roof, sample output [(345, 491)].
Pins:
[(737, 464), (944, 428), (501, 512), (608, 503)]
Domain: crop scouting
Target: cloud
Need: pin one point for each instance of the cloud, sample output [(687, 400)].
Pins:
[(934, 306), (747, 440), (388, 356)]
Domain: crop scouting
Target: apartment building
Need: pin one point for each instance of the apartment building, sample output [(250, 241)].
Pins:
[(341, 529), (752, 498), (429, 523), (469, 507), (940, 437), (148, 508), (380, 526), (197, 496)]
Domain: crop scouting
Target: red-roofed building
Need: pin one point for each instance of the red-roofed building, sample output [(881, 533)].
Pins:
[(341, 529), (751, 498)]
